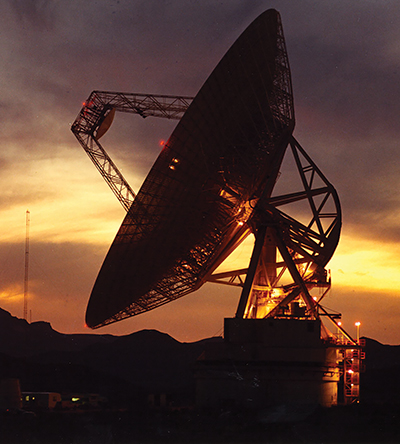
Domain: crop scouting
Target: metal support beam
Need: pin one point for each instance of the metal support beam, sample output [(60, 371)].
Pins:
[(100, 106), (294, 271), (255, 257)]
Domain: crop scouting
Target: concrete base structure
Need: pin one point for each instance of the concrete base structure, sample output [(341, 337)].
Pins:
[(265, 363)]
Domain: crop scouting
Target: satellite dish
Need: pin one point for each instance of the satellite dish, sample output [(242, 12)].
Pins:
[(212, 185)]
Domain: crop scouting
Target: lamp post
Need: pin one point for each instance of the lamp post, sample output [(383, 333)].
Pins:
[(338, 334), (358, 331)]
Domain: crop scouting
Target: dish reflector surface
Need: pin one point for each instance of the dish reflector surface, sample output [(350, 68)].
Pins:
[(194, 206)]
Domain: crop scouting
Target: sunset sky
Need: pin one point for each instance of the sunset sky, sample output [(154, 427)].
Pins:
[(345, 63)]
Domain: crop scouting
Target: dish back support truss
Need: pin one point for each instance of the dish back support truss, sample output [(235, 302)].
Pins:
[(305, 243)]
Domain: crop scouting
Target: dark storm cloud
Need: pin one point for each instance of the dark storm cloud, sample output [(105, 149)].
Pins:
[(334, 51), (128, 37), (60, 51), (346, 68)]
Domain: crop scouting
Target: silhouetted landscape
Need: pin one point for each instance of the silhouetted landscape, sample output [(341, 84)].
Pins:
[(146, 386)]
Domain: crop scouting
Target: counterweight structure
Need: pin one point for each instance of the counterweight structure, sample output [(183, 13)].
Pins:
[(213, 184)]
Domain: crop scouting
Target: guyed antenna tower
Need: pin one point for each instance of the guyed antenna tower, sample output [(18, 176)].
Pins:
[(26, 278)]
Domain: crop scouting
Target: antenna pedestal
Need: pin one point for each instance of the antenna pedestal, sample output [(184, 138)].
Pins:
[(266, 363)]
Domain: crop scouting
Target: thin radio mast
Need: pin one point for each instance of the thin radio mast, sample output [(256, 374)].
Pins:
[(26, 266)]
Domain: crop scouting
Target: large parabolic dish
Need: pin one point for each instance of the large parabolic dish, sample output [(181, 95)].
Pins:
[(194, 206)]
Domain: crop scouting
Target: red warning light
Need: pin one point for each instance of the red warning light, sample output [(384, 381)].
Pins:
[(162, 142)]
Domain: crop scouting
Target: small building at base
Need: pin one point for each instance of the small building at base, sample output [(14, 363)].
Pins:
[(41, 400)]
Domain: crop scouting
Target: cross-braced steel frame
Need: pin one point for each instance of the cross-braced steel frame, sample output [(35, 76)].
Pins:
[(96, 116)]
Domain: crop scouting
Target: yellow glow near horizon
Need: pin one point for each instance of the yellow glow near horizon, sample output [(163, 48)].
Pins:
[(70, 202), (11, 297), (357, 263), (67, 199), (366, 264)]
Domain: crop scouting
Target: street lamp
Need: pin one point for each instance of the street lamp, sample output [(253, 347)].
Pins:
[(339, 335), (358, 331)]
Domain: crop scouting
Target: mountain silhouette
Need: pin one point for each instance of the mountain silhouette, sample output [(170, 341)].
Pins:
[(143, 362)]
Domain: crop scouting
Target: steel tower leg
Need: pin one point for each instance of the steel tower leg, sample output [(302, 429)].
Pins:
[(294, 272), (255, 257)]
